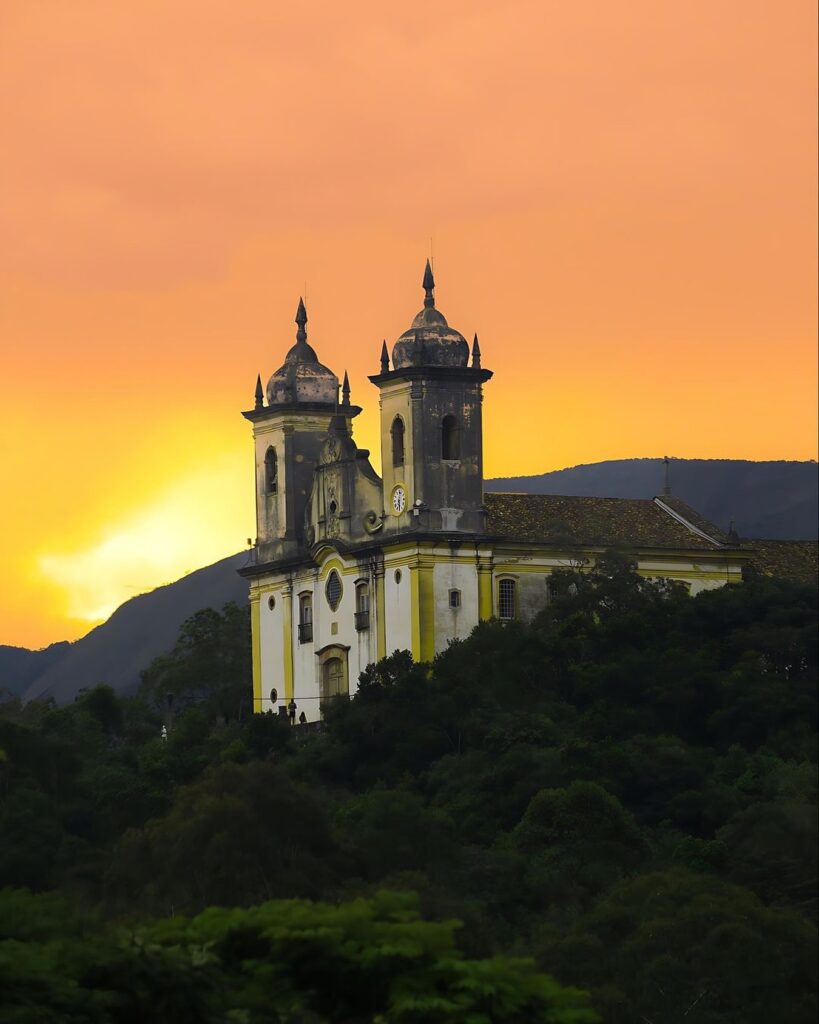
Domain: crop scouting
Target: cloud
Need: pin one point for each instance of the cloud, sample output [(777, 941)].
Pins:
[(201, 518)]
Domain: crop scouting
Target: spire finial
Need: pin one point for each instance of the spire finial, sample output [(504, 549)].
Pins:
[(259, 392), (733, 536), (301, 320), (345, 390), (666, 477), (429, 286), (476, 353), (385, 357)]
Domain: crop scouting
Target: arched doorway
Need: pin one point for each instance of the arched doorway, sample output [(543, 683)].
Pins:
[(333, 674)]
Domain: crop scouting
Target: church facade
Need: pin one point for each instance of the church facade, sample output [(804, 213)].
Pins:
[(349, 566)]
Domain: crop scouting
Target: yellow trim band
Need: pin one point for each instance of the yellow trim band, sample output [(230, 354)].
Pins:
[(415, 613), (256, 649), (426, 616), (380, 618)]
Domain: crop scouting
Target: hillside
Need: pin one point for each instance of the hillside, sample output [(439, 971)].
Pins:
[(139, 630), (19, 666), (768, 499), (777, 500)]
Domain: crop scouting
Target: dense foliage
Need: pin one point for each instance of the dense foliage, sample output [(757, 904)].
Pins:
[(623, 792)]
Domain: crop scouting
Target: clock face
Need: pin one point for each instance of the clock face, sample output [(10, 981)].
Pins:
[(399, 500)]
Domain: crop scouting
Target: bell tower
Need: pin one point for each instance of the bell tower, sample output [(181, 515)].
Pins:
[(431, 426), (288, 432)]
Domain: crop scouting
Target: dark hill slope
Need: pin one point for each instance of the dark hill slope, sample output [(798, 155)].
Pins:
[(19, 666), (139, 630), (777, 500)]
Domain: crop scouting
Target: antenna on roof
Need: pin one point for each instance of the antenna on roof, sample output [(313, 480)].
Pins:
[(666, 477)]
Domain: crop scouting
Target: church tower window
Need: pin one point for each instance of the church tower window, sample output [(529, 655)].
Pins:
[(397, 433), (507, 599), (333, 589), (271, 471), (450, 439), (305, 618)]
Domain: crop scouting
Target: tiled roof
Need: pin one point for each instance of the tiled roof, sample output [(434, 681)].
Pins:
[(606, 522), (694, 517), (786, 559)]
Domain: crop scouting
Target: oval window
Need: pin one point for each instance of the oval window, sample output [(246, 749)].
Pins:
[(333, 589)]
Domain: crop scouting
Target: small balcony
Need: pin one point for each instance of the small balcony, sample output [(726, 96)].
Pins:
[(305, 632), (362, 621)]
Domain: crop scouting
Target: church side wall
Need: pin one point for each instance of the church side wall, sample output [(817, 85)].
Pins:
[(398, 605), (458, 622), (418, 615), (305, 671)]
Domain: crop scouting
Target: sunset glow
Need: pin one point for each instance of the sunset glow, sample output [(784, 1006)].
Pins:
[(620, 199)]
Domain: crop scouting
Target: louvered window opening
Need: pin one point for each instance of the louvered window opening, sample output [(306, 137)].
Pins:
[(333, 590)]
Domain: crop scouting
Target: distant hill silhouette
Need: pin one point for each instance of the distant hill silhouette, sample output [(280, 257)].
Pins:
[(139, 630), (777, 500), (19, 666)]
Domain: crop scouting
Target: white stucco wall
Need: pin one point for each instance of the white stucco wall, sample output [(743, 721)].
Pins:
[(271, 644), (397, 603), (452, 623)]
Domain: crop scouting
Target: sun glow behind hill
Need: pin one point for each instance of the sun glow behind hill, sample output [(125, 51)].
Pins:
[(190, 524)]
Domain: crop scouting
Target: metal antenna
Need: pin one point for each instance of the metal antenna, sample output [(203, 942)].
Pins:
[(666, 477)]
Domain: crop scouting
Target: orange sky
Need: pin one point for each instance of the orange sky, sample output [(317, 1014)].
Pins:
[(621, 198)]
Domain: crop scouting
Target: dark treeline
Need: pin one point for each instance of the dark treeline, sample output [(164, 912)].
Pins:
[(619, 798)]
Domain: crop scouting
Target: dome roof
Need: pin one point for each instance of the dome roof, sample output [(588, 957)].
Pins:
[(430, 341), (302, 378)]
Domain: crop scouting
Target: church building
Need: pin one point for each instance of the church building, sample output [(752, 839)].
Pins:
[(349, 566)]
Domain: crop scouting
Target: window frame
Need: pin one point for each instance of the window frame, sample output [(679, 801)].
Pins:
[(333, 573), (450, 438), (362, 605), (510, 582), (398, 422), (305, 620), (271, 480)]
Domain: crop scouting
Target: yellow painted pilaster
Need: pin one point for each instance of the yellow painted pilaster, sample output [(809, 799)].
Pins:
[(484, 588), (287, 619), (426, 593), (380, 615), (256, 651), (415, 613), (422, 611)]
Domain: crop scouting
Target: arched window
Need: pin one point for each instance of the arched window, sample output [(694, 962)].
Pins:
[(305, 618), (271, 471), (397, 434), (362, 605), (507, 599), (450, 439)]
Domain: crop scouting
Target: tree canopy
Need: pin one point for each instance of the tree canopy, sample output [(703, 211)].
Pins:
[(619, 797)]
